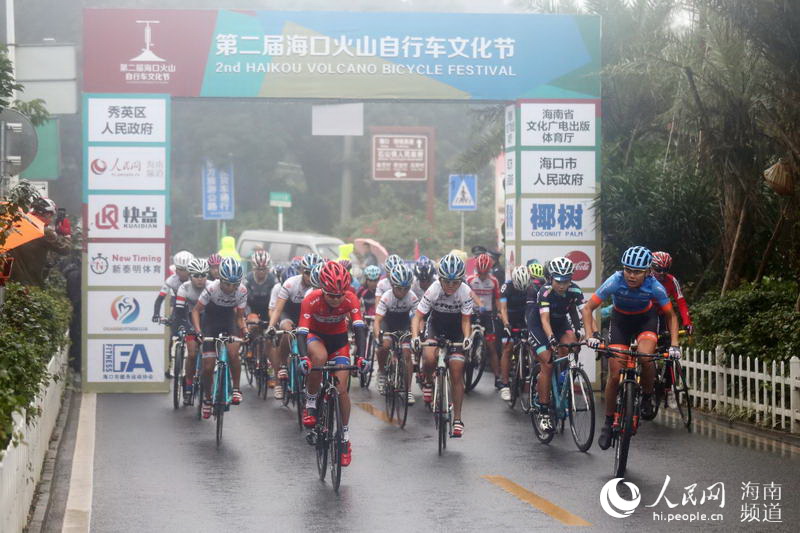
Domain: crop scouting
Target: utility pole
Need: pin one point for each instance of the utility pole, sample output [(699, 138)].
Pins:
[(347, 181)]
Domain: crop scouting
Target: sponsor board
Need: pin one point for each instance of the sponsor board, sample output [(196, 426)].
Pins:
[(584, 258), (557, 219), (140, 168), (126, 360), (126, 264), (557, 172), (127, 216), (510, 135), (511, 170), (126, 120), (122, 312), (557, 124)]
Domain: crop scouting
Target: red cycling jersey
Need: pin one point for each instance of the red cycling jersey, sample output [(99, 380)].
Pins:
[(316, 316), (673, 288)]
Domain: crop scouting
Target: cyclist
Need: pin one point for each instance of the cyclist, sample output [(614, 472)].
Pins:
[(449, 302), (259, 283), (634, 315), (286, 313), (223, 301), (560, 302), (171, 285), (322, 337), (487, 289), (424, 269), (513, 298), (662, 262), (393, 314), (384, 285), (366, 293), (185, 300), (214, 261), (314, 278)]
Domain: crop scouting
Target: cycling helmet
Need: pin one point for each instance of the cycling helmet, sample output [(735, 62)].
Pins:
[(260, 259), (230, 270), (198, 265), (637, 257), (278, 271), (536, 270), (315, 275), (44, 207), (392, 261), (334, 278), (290, 271), (182, 259), (561, 269), (309, 260), (483, 263), (662, 261), (424, 269), (214, 260), (346, 263), (451, 267), (372, 272), (401, 276), (521, 278)]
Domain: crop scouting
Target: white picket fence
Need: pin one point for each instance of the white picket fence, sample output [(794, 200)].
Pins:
[(770, 392), (21, 465)]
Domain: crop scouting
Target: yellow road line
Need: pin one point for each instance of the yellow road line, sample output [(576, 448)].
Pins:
[(547, 507), (377, 413), (78, 514)]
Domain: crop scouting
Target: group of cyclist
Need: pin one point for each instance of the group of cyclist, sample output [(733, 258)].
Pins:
[(317, 300)]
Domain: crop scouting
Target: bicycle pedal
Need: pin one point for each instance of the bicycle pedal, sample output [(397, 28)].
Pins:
[(311, 438)]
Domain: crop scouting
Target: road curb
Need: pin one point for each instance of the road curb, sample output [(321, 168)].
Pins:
[(772, 434)]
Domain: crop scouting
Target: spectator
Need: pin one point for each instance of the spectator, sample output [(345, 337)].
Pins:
[(30, 259), (71, 269)]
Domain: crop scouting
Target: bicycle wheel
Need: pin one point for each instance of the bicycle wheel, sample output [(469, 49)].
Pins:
[(322, 442), (365, 379), (515, 375), (389, 391), (220, 400), (625, 431), (336, 435), (473, 370), (249, 362), (683, 399), (177, 376), (198, 378), (525, 380), (300, 383), (401, 392), (440, 411), (581, 409), (659, 391)]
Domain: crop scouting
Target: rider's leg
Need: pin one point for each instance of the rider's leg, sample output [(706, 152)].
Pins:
[(342, 376), (236, 363), (647, 344), (382, 354), (545, 372), (456, 366), (505, 361), (319, 356), (191, 351)]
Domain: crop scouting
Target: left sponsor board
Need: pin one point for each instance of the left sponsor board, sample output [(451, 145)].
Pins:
[(127, 216), (586, 271), (126, 119), (126, 264), (557, 219), (122, 312), (558, 124), (121, 168), (125, 360)]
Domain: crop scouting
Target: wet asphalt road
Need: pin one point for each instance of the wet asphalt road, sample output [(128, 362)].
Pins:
[(156, 469)]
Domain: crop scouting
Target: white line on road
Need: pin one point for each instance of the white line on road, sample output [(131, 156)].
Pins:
[(78, 514)]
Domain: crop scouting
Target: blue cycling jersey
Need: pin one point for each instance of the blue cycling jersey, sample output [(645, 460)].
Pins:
[(632, 301)]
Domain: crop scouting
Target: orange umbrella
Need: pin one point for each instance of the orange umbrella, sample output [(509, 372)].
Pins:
[(375, 247), (27, 229)]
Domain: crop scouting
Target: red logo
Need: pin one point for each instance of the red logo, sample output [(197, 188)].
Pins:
[(107, 217), (583, 265), (98, 166)]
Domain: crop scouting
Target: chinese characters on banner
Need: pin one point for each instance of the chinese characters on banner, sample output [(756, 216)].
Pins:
[(126, 206), (218, 203)]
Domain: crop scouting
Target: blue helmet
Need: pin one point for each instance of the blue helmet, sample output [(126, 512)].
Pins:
[(401, 276), (424, 268), (391, 262), (309, 260), (372, 272), (451, 267), (230, 270), (290, 271), (315, 274), (637, 257)]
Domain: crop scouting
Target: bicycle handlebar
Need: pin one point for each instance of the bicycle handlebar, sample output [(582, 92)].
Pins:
[(329, 367), (442, 343), (223, 338), (618, 353)]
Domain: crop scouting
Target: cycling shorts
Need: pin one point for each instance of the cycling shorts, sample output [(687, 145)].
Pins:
[(212, 330), (515, 323), (561, 327), (491, 325), (449, 330), (217, 320), (624, 328), (538, 339), (337, 345)]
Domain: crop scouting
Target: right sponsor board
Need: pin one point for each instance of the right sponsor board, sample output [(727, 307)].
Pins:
[(134, 264), (125, 360), (557, 172), (586, 269), (122, 311), (115, 168)]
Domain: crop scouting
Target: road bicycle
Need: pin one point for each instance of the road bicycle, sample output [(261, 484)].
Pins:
[(396, 393), (475, 360), (365, 379), (570, 397), (442, 406), (294, 384), (177, 354), (327, 436), (671, 377), (222, 382), (520, 370), (258, 365)]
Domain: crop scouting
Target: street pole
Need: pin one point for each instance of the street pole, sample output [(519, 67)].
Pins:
[(280, 219), (462, 231), (219, 236), (347, 181)]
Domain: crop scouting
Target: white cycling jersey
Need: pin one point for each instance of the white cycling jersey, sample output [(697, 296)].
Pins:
[(389, 303), (171, 286), (417, 289), (273, 296), (384, 285), (213, 294), (437, 301), (188, 295), (293, 289)]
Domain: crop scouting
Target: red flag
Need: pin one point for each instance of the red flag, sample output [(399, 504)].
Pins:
[(416, 249)]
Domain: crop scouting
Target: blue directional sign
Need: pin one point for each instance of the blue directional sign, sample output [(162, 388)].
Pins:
[(463, 192), (217, 192)]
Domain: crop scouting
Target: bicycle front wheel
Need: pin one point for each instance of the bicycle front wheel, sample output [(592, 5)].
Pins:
[(581, 409), (366, 379), (389, 395), (323, 441), (249, 363), (515, 383), (401, 392), (683, 399), (525, 380), (177, 376), (299, 393), (625, 431), (220, 401), (337, 444), (440, 412), (476, 362)]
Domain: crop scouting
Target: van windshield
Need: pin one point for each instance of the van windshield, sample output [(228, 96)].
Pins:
[(329, 250)]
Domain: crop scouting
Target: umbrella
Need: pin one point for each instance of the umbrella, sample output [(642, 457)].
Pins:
[(27, 229), (375, 247)]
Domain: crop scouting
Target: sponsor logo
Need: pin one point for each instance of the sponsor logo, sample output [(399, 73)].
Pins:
[(583, 264), (98, 167), (147, 67), (126, 358), (99, 264), (107, 217), (614, 504), (125, 309)]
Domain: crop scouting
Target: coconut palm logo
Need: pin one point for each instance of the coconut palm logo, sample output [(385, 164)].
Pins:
[(147, 52)]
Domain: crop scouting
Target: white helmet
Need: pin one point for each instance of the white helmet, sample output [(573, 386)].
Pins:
[(182, 259), (521, 278), (561, 269), (198, 265)]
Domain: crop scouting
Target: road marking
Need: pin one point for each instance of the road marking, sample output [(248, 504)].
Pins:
[(78, 514), (546, 506), (377, 413)]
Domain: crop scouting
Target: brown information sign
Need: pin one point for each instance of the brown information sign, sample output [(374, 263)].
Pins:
[(399, 157)]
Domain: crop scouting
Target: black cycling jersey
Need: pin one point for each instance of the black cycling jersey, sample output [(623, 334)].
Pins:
[(515, 303), (258, 294), (562, 307)]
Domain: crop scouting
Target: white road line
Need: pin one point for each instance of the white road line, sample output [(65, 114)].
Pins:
[(78, 514)]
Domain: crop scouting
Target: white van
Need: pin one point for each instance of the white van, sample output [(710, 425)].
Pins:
[(283, 245)]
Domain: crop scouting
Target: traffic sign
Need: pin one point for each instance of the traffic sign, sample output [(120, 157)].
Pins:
[(463, 192), (217, 192), (399, 157), (280, 199)]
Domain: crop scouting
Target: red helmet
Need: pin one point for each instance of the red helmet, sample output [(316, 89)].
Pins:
[(662, 260), (334, 278), (260, 259), (483, 263), (214, 260)]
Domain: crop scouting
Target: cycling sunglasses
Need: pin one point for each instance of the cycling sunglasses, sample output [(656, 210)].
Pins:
[(449, 282), (199, 275), (333, 295), (634, 271)]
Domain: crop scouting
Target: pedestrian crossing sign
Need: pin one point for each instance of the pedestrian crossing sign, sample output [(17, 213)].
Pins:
[(463, 192)]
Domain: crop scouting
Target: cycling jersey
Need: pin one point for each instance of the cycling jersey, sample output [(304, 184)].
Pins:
[(632, 301), (188, 295), (273, 296), (561, 307), (258, 294), (673, 289), (445, 311), (417, 289), (488, 290), (219, 310), (171, 286), (515, 301), (396, 312), (384, 285), (293, 291), (316, 316), (368, 299)]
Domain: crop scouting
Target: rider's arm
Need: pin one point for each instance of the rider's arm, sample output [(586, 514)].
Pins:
[(466, 325), (588, 315), (502, 304), (544, 315), (416, 321), (476, 300), (672, 322), (198, 308), (683, 307), (359, 327), (157, 305), (276, 313), (239, 319), (376, 326)]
